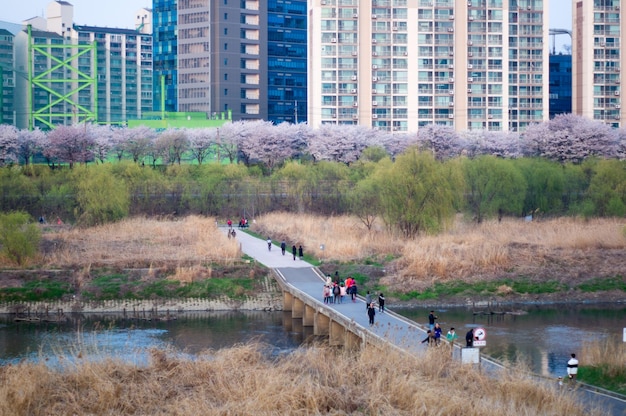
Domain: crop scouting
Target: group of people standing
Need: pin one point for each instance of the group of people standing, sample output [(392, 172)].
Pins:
[(434, 332)]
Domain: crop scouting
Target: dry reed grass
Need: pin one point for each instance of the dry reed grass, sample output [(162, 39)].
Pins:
[(609, 352), (243, 381), (142, 243), (465, 250)]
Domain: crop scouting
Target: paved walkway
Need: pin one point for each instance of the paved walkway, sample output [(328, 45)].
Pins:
[(394, 328)]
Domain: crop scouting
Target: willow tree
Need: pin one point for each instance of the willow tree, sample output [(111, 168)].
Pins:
[(417, 194), (493, 185)]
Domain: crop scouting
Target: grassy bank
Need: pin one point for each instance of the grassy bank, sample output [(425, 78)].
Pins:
[(603, 364), (243, 380), (570, 257)]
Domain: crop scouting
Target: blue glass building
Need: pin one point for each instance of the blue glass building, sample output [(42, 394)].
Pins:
[(165, 57), (287, 61), (560, 84)]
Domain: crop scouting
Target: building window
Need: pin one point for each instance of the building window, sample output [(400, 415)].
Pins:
[(225, 77), (225, 46), (225, 31), (225, 16), (225, 91)]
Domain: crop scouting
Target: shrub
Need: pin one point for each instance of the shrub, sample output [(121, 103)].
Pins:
[(19, 237)]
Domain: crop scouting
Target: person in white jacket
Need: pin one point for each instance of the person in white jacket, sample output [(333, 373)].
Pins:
[(572, 368)]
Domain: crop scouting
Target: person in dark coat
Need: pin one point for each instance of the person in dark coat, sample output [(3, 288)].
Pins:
[(294, 251), (371, 312), (283, 247), (469, 338), (300, 253)]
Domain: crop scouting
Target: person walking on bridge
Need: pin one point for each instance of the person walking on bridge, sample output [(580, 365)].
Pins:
[(269, 244), (283, 247), (371, 312), (294, 251)]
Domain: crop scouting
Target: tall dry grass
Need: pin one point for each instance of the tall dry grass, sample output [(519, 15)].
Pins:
[(609, 353), (141, 243), (244, 381), (464, 250)]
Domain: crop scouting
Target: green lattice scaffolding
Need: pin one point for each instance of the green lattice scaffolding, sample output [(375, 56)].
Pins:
[(62, 95)]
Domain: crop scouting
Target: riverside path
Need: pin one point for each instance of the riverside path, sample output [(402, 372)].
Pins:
[(393, 328)]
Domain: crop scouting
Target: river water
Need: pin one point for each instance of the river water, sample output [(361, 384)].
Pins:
[(543, 336)]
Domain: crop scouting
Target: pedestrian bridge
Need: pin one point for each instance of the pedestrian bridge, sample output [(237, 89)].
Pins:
[(347, 324)]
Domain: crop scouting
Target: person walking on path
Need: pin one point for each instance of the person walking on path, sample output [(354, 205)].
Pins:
[(368, 299), (294, 251), (572, 369), (283, 247), (269, 244), (381, 303), (230, 223), (469, 338), (431, 320), (301, 253), (371, 312), (354, 290)]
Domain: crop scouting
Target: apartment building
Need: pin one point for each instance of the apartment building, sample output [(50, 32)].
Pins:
[(471, 64), (247, 57), (124, 72), (596, 60), (7, 77)]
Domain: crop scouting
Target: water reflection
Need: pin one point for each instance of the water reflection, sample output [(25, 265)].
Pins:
[(541, 336), (96, 337)]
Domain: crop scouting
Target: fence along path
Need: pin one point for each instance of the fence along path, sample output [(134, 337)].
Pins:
[(389, 327)]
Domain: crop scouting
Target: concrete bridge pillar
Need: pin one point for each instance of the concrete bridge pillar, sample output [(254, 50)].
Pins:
[(336, 337), (287, 301), (353, 341), (298, 308), (309, 316), (322, 324)]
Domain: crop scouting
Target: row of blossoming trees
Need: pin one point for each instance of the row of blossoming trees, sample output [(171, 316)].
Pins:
[(415, 183), (566, 138)]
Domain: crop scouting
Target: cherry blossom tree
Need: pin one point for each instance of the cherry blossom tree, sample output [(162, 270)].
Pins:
[(442, 141), (103, 140), (70, 144), (201, 142), (496, 143), (8, 144), (269, 144), (228, 137), (339, 143), (570, 138), (29, 144), (172, 144), (136, 142)]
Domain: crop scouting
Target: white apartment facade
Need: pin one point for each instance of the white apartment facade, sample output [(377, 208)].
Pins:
[(396, 65), (597, 60)]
